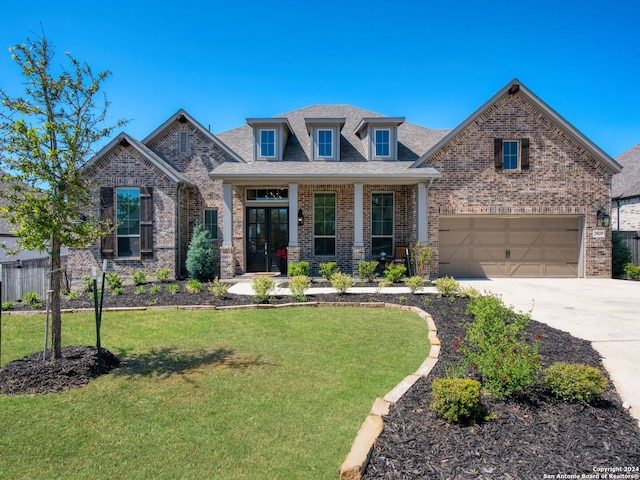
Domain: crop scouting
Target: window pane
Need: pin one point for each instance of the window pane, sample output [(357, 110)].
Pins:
[(267, 143), (325, 143), (379, 245), (324, 223), (510, 155), (128, 211), (211, 221), (128, 246), (382, 143), (382, 214), (324, 246)]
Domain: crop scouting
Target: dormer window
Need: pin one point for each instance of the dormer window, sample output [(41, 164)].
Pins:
[(267, 143), (380, 137), (325, 143), (270, 137), (325, 137)]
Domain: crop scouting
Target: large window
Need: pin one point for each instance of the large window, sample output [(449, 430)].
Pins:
[(128, 222), (325, 143), (211, 221), (382, 142), (510, 155), (324, 224), (267, 143), (382, 223)]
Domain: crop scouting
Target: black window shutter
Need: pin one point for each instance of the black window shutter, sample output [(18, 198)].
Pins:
[(497, 153), (106, 215), (524, 160), (146, 223)]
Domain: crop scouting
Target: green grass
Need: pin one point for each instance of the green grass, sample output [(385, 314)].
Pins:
[(260, 394)]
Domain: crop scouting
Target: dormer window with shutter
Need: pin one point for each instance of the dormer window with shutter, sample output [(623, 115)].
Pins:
[(380, 137), (325, 137), (270, 137), (511, 155)]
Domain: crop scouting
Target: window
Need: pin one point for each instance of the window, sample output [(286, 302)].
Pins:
[(268, 143), (510, 155), (324, 224), (325, 143), (128, 222), (183, 142), (382, 223), (211, 221), (382, 142)]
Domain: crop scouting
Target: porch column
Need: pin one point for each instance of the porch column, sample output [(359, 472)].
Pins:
[(293, 250), (227, 261), (357, 251), (422, 213)]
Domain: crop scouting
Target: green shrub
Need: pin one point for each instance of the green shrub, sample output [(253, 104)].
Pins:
[(447, 286), (573, 382), (632, 271), (341, 282), (218, 289), (297, 269), (113, 280), (495, 346), (469, 292), (32, 299), (366, 270), (620, 254), (426, 301), (200, 261), (414, 283), (394, 272), (139, 277), (263, 287), (194, 286), (326, 270), (162, 274), (87, 283), (457, 399), (173, 288), (8, 305), (116, 291), (140, 290), (422, 256), (298, 285), (73, 295), (154, 289)]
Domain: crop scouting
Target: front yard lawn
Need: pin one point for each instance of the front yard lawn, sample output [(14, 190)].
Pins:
[(250, 394)]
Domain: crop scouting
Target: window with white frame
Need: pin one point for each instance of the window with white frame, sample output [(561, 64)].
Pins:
[(183, 142), (211, 221), (324, 223), (382, 223), (382, 138), (325, 143), (128, 221), (268, 143)]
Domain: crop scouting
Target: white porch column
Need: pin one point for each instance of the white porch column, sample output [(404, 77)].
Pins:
[(293, 214), (358, 216), (422, 213), (227, 215)]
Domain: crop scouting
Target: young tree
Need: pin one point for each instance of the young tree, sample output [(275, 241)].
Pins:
[(201, 261), (46, 136)]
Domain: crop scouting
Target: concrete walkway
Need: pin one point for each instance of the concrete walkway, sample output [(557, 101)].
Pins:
[(604, 311)]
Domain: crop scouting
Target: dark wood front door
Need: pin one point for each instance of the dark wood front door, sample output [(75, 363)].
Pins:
[(267, 232)]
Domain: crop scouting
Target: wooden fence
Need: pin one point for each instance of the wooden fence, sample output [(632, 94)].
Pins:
[(21, 277), (632, 241)]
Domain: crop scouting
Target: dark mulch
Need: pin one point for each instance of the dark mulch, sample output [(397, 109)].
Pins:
[(533, 434)]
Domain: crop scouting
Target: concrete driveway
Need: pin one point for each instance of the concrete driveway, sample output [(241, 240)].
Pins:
[(603, 311)]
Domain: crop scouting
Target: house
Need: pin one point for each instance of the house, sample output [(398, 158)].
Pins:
[(514, 190), (625, 204)]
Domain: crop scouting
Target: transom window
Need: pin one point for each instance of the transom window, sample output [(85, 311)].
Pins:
[(211, 221), (510, 154), (274, 194), (128, 221), (382, 142), (325, 143), (382, 223), (324, 224), (267, 143)]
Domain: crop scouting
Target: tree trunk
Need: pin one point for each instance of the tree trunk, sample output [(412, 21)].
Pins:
[(56, 317)]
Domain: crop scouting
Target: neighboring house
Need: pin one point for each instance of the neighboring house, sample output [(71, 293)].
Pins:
[(625, 192), (512, 191)]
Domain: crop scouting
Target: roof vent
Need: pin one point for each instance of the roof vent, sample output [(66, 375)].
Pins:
[(514, 89), (182, 119), (124, 142)]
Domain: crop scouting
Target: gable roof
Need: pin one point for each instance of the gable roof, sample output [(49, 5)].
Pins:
[(182, 116), (124, 140), (516, 87), (627, 183)]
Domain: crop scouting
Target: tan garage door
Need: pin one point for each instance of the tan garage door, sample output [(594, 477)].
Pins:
[(509, 246)]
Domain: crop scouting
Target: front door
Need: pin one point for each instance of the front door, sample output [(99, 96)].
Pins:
[(267, 232)]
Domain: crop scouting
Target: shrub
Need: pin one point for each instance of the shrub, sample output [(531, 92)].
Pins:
[(620, 254), (194, 286), (162, 274), (173, 288), (297, 269), (394, 272), (447, 286), (32, 299), (87, 283), (422, 256), (632, 271), (218, 289), (457, 399), (298, 285), (139, 277), (414, 283), (326, 270), (575, 382), (140, 290), (8, 305), (469, 292), (200, 261), (263, 288), (426, 301), (113, 281), (495, 346), (116, 291), (341, 282), (73, 295), (154, 289), (366, 270)]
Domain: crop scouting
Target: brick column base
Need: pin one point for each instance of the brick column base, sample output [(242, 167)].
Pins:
[(293, 254), (227, 262), (357, 256)]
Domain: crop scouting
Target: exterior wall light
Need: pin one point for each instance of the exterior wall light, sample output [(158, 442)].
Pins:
[(300, 218), (603, 218)]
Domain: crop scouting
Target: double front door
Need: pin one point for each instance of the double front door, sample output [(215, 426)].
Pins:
[(267, 234)]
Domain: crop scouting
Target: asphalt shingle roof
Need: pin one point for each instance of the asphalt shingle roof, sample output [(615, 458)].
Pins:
[(627, 183)]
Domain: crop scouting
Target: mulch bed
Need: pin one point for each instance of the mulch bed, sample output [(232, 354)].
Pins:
[(533, 434)]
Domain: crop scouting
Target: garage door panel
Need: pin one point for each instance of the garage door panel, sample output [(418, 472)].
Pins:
[(526, 254), (488, 238), (488, 223), (526, 270), (561, 270), (488, 269), (487, 254), (525, 238), (566, 255)]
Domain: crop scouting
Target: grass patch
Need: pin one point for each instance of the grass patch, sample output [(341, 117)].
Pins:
[(258, 394)]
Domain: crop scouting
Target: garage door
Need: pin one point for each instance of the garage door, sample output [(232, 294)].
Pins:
[(509, 246)]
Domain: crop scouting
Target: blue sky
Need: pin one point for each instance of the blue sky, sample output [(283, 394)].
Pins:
[(434, 63)]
